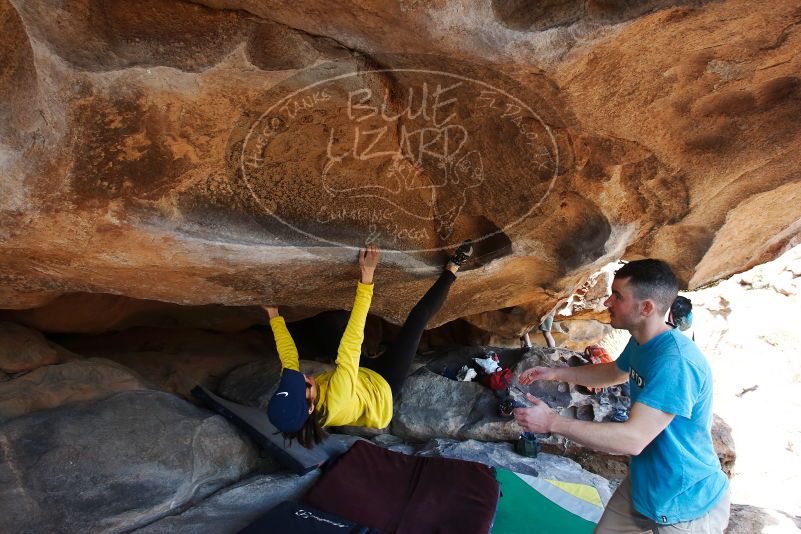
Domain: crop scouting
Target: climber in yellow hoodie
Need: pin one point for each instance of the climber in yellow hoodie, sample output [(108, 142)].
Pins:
[(355, 393)]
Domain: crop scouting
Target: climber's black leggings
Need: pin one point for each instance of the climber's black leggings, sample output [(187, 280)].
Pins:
[(396, 361)]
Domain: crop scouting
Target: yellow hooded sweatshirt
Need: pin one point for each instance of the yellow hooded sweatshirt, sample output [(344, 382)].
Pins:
[(348, 395)]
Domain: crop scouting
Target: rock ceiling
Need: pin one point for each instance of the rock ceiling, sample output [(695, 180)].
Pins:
[(236, 151)]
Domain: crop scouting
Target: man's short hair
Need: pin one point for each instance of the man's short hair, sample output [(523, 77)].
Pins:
[(651, 279)]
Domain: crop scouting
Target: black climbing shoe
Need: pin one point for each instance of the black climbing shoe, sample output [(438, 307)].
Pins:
[(462, 254)]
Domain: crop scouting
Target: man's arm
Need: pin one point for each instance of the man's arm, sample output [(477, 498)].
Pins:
[(598, 375), (631, 437)]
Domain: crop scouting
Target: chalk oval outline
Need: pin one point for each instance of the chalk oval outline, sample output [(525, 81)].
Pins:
[(378, 71)]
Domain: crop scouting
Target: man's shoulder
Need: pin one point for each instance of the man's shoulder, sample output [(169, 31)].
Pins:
[(676, 347)]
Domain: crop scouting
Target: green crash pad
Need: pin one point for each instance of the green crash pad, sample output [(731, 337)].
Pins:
[(531, 504)]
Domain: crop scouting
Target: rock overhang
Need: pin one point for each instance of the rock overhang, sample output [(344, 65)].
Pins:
[(125, 152)]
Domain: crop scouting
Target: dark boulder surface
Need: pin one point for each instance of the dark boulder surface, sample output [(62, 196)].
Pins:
[(114, 464)]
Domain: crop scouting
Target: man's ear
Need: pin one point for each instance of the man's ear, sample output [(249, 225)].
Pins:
[(648, 308)]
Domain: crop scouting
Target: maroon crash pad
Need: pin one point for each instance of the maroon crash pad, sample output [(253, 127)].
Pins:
[(397, 493)]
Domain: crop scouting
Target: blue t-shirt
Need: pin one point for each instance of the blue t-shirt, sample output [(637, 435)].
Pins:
[(677, 477)]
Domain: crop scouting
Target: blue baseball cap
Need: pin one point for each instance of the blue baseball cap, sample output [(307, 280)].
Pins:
[(288, 409)]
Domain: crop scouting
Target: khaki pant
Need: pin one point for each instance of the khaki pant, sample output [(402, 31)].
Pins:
[(620, 517)]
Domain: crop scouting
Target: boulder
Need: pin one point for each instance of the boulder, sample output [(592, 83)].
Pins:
[(54, 385), (575, 335), (431, 405), (724, 444), (23, 349), (235, 507), (746, 519), (115, 464)]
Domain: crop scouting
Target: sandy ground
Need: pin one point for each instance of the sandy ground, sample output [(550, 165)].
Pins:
[(749, 327)]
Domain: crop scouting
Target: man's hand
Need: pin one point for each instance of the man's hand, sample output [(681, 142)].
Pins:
[(368, 260), (529, 376), (538, 419), (272, 311)]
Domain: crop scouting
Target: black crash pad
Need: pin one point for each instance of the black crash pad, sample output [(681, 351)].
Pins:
[(295, 518), (255, 422)]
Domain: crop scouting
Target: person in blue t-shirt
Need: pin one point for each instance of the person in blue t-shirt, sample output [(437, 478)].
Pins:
[(675, 482)]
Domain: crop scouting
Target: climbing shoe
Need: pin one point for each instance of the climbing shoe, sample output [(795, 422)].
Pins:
[(462, 254)]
